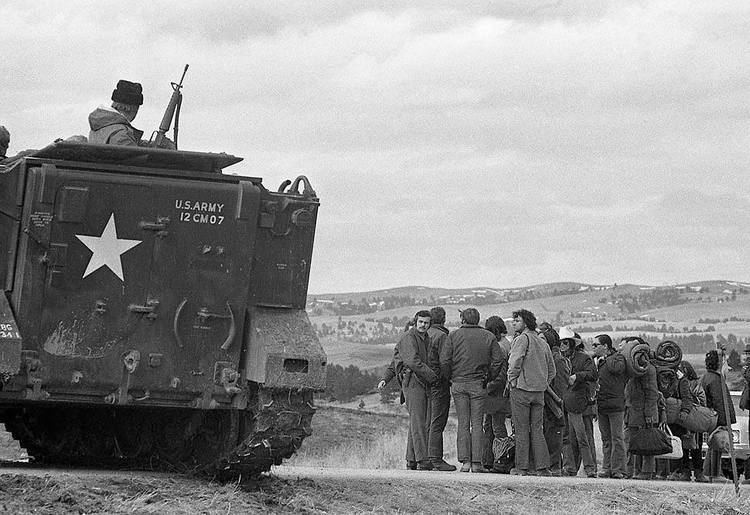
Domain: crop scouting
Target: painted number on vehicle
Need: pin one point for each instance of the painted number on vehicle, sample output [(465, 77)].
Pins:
[(9, 332), (200, 212)]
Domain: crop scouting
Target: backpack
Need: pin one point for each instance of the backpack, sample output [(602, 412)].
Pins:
[(504, 451)]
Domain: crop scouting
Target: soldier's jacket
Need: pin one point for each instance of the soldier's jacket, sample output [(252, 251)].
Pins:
[(108, 127)]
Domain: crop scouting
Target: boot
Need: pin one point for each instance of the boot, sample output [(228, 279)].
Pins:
[(679, 476), (440, 464), (411, 465), (478, 468), (699, 477), (424, 465)]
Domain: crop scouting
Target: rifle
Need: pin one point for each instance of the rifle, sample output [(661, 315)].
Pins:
[(158, 137)]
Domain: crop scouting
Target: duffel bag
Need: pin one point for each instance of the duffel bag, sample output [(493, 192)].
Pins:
[(650, 441), (700, 419), (718, 440)]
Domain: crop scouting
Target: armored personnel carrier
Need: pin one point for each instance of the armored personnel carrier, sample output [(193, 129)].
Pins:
[(153, 312)]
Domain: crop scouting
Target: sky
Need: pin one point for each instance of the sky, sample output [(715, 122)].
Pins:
[(452, 143)]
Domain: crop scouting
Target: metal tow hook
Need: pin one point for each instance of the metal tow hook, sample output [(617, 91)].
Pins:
[(130, 360)]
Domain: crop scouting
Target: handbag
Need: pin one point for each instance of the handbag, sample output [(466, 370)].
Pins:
[(700, 419), (650, 441), (675, 453)]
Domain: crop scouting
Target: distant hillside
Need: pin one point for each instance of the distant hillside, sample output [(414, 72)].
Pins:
[(360, 328), (628, 298)]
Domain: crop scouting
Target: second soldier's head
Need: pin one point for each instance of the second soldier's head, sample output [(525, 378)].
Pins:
[(127, 97)]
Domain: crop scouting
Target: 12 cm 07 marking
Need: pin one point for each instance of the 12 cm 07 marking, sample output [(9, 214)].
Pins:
[(201, 218)]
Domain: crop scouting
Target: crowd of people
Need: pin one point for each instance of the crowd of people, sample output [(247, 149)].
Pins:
[(552, 390)]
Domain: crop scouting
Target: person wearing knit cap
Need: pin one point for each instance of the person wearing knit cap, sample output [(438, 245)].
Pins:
[(112, 125), (4, 141)]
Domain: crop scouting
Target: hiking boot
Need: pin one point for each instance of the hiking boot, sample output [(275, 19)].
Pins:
[(441, 465), (424, 465), (478, 468), (700, 478), (466, 466), (679, 476), (411, 465)]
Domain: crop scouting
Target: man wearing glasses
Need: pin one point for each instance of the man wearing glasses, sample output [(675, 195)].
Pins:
[(611, 405)]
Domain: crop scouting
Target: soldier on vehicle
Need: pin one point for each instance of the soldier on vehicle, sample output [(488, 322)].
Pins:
[(4, 142), (112, 125), (440, 393)]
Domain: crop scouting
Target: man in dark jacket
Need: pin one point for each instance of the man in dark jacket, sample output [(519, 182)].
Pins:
[(470, 357), (554, 425), (576, 400), (611, 405), (416, 378), (111, 125), (440, 393)]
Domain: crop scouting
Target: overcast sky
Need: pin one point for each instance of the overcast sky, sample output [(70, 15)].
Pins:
[(452, 143)]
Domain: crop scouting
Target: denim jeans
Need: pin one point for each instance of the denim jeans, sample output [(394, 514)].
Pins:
[(527, 410), (440, 401), (579, 448), (468, 398), (553, 435), (613, 442), (416, 402)]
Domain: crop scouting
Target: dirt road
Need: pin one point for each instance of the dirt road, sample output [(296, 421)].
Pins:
[(32, 489)]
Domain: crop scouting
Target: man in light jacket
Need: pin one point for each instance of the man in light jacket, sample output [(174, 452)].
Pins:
[(530, 370)]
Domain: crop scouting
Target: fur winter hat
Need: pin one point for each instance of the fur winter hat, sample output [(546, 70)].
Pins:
[(128, 93)]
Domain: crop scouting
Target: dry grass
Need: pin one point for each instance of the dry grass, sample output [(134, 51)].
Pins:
[(421, 493), (356, 439)]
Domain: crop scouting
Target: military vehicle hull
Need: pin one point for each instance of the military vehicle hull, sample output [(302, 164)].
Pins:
[(153, 313)]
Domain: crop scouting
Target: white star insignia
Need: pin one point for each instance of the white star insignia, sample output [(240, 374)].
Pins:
[(107, 249)]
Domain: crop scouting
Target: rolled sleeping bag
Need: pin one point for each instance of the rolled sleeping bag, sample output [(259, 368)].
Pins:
[(668, 354), (637, 357)]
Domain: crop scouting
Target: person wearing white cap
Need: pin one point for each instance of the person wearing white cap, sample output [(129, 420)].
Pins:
[(576, 400)]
